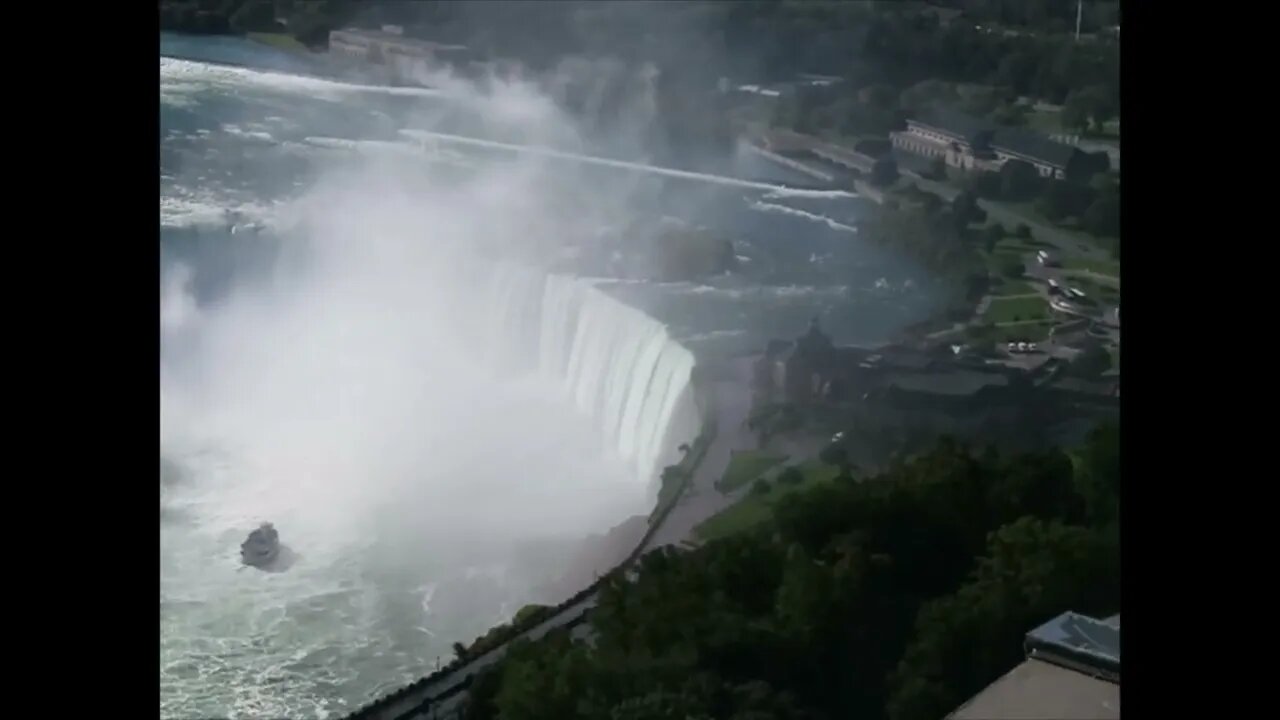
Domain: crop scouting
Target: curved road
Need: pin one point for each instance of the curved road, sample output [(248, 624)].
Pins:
[(731, 402)]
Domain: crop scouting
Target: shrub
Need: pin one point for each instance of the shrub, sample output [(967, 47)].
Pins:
[(790, 476), (760, 487)]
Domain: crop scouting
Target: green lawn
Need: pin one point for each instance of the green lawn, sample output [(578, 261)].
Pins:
[(1022, 245), (1020, 332), (1003, 310), (1013, 287), (1103, 292), (746, 466), (1049, 122), (1102, 267), (754, 510), (279, 40)]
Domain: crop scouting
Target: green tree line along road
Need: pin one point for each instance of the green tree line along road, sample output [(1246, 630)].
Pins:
[(894, 597)]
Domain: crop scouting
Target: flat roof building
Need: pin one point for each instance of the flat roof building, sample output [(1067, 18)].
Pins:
[(1072, 672)]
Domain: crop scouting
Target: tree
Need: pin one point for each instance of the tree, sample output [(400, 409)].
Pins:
[(790, 476), (1091, 362), (1061, 199), (1010, 114), (937, 169), (1017, 70), (1075, 113), (255, 15), (1030, 574), (1097, 475), (1018, 180), (1023, 231), (1103, 216), (1101, 105), (760, 487), (986, 185), (929, 202), (991, 236), (966, 210), (883, 172)]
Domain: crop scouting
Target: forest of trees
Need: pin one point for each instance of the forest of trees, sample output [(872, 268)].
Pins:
[(940, 237), (897, 596)]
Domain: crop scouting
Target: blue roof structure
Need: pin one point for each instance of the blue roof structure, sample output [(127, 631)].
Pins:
[(1079, 642)]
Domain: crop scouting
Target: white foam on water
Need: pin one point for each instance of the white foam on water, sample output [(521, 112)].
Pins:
[(194, 75), (762, 206), (801, 193)]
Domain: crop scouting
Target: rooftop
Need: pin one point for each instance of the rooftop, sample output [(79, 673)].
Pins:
[(978, 132), (1032, 144), (1036, 690), (1080, 642), (974, 131), (954, 382), (1072, 672)]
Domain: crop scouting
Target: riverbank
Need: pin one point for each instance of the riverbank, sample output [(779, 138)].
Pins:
[(281, 41)]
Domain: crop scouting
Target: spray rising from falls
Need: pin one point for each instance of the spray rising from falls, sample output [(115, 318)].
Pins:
[(619, 366)]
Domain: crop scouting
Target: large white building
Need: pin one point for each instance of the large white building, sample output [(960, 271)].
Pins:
[(971, 144)]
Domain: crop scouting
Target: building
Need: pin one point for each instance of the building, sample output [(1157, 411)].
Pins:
[(801, 368), (1071, 672), (389, 47), (970, 143)]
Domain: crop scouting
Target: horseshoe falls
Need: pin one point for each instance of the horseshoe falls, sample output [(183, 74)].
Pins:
[(617, 365)]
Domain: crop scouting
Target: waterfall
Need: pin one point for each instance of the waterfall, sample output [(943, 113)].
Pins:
[(616, 364)]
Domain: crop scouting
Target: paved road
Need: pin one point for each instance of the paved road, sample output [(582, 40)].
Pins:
[(701, 500), (1067, 243), (731, 402)]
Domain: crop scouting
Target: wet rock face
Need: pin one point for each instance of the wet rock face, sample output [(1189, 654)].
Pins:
[(262, 549)]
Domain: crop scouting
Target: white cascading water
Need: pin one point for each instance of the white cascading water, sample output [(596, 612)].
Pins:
[(619, 366)]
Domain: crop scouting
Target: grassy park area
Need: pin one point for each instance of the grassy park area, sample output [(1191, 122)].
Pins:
[(745, 466), (1017, 309), (1110, 268), (756, 508)]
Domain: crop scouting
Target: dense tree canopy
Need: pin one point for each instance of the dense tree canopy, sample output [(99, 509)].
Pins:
[(894, 596)]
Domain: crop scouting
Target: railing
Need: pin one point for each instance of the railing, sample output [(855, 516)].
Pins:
[(688, 465)]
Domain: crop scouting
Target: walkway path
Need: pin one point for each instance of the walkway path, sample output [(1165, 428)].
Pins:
[(701, 499)]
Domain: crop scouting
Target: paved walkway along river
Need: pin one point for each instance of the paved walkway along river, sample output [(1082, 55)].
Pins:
[(731, 402)]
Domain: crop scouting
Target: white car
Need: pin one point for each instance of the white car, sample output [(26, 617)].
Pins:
[(1022, 347), (1031, 347), (1013, 347)]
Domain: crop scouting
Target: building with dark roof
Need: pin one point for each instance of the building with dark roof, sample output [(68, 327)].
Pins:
[(399, 54), (1072, 672), (970, 143)]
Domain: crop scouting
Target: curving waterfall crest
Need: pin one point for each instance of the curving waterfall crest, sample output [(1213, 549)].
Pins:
[(619, 366)]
